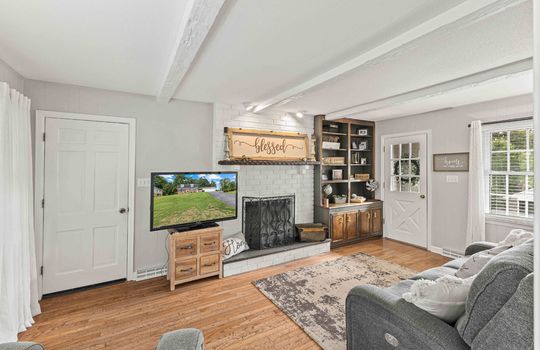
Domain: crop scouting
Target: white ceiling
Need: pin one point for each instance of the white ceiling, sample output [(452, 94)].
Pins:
[(122, 45), (258, 49)]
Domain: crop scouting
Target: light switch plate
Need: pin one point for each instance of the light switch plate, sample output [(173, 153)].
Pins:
[(452, 179), (143, 182)]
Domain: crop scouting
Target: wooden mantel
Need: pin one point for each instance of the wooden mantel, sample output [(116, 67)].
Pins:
[(266, 162)]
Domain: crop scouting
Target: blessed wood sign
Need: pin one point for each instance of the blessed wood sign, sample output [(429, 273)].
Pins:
[(451, 162), (267, 145)]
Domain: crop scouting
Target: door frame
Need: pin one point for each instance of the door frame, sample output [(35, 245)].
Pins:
[(39, 178), (429, 152)]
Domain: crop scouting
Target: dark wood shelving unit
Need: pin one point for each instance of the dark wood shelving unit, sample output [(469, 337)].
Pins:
[(348, 222)]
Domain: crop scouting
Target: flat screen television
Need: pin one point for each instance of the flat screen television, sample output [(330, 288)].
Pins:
[(183, 200)]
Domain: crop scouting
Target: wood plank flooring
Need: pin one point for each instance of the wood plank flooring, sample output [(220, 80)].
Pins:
[(231, 312)]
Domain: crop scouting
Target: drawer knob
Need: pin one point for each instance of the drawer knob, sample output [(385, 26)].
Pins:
[(209, 243), (209, 264), (189, 246), (186, 270)]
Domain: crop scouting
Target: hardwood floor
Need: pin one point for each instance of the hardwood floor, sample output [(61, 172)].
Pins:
[(231, 312)]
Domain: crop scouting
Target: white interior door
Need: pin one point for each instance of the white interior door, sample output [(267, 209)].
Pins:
[(85, 186), (405, 189)]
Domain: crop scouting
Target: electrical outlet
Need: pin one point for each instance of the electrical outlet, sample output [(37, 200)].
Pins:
[(143, 182), (452, 179)]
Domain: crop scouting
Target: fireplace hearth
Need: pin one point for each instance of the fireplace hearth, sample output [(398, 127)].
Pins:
[(268, 222)]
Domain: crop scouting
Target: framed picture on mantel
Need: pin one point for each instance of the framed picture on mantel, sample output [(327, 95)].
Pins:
[(451, 162)]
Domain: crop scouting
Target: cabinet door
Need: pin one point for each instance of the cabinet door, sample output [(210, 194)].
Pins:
[(376, 220), (338, 227), (351, 224), (364, 227)]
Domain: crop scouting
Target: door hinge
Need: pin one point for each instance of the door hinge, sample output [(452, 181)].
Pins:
[(43, 203), (41, 270), (384, 149), (383, 221), (43, 137)]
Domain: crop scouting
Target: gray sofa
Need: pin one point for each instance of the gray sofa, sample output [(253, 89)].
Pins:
[(498, 313)]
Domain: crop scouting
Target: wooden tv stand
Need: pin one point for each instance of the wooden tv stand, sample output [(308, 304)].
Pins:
[(194, 254)]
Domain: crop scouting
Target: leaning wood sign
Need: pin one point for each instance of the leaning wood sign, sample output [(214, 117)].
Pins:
[(267, 145)]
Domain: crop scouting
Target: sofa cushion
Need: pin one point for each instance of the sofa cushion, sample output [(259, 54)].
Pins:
[(400, 288), (513, 326), (21, 346), (434, 273), (456, 263), (492, 288), (185, 339)]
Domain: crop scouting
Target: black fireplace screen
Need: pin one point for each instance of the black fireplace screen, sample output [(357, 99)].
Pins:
[(268, 222)]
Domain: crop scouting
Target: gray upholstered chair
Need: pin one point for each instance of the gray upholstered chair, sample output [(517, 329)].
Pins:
[(182, 339), (21, 346), (498, 312)]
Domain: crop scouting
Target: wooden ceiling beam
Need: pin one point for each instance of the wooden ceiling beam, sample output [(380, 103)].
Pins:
[(198, 20)]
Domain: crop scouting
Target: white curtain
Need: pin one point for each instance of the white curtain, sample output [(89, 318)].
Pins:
[(18, 273), (476, 219)]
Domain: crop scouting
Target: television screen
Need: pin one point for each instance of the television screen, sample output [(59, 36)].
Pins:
[(185, 199)]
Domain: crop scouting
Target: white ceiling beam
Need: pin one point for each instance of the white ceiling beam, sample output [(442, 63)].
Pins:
[(468, 81), (461, 15), (199, 18)]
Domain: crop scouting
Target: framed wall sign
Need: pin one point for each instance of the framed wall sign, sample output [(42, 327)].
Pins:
[(451, 162), (267, 145)]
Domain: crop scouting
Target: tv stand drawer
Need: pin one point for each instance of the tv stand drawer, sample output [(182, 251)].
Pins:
[(210, 243), (209, 264), (186, 268), (186, 247)]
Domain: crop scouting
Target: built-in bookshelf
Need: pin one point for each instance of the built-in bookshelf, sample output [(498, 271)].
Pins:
[(345, 151)]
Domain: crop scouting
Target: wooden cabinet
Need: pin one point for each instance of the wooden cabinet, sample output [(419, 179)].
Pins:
[(194, 254), (351, 223)]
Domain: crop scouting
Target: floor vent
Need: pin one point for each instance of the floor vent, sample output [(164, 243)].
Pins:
[(151, 272), (451, 253)]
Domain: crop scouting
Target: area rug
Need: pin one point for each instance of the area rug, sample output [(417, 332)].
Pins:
[(314, 296)]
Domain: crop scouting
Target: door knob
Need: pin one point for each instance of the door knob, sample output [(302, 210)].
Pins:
[(123, 210), (422, 196)]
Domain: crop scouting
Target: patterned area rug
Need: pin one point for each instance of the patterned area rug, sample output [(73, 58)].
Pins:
[(314, 296)]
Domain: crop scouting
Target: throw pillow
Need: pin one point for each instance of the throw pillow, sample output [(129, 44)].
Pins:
[(477, 261), (444, 298), (516, 237), (234, 245)]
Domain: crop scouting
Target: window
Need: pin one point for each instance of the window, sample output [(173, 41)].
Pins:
[(405, 167), (509, 162)]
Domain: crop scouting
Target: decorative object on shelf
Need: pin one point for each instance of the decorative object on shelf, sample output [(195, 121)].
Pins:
[(324, 177), (362, 146), (333, 127), (267, 145), (331, 145), (337, 174), (312, 232), (327, 191), (372, 185), (313, 156), (333, 160), (357, 199), (227, 150), (363, 161), (354, 145), (363, 132), (361, 177), (451, 162), (356, 158), (340, 198)]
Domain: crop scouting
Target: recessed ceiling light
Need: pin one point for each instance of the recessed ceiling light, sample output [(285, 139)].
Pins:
[(299, 114)]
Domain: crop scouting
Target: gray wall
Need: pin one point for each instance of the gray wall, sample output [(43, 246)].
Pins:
[(450, 134), (8, 75), (170, 137)]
